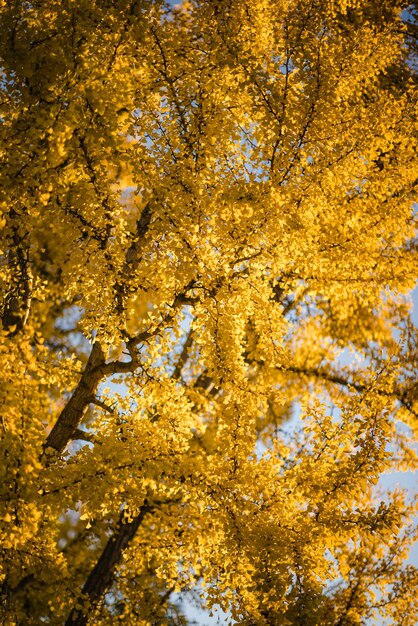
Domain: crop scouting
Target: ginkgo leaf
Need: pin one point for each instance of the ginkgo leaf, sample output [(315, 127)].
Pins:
[(207, 355)]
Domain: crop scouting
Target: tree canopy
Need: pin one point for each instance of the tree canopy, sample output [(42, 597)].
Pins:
[(207, 358)]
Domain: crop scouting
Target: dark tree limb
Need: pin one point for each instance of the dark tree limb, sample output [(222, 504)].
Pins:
[(67, 423), (132, 257), (404, 397), (96, 369), (183, 356), (16, 306), (101, 576)]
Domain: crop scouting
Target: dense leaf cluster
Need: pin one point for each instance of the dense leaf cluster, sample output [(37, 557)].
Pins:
[(207, 360)]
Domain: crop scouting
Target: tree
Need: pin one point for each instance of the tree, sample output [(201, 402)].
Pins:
[(207, 357)]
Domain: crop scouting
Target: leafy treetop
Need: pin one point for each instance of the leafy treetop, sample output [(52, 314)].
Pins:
[(207, 228)]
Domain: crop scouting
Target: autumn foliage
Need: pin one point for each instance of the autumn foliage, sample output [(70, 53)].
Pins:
[(207, 360)]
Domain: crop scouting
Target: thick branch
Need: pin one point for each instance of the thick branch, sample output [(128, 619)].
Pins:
[(97, 369), (67, 423), (132, 257), (101, 576), (183, 356), (18, 298)]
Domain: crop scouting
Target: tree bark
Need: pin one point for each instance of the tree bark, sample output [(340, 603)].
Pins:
[(72, 414), (101, 576)]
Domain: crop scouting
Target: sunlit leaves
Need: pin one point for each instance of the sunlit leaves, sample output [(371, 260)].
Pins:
[(208, 242)]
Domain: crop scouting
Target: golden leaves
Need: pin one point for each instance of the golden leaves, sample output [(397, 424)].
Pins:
[(215, 204)]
